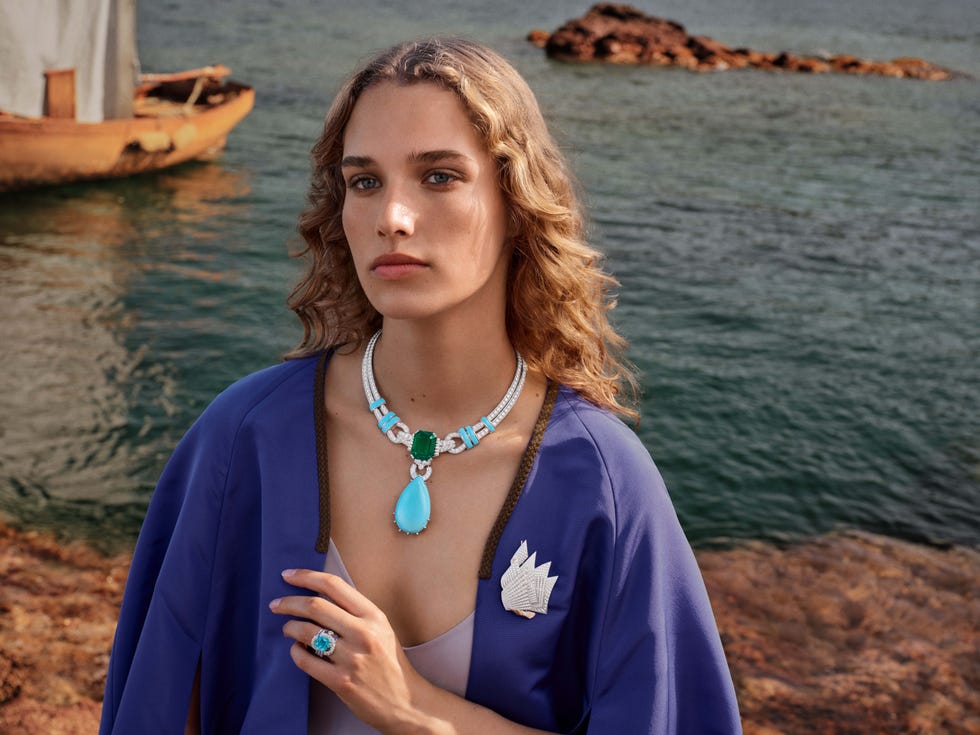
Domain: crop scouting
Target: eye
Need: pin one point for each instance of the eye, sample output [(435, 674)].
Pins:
[(363, 183), (441, 178)]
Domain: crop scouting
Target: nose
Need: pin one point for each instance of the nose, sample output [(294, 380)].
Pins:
[(396, 216)]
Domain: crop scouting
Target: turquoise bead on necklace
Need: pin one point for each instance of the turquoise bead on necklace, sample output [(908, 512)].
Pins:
[(414, 507)]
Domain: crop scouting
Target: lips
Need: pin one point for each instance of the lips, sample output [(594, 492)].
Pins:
[(395, 265)]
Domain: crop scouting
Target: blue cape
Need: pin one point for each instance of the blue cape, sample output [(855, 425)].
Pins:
[(628, 645)]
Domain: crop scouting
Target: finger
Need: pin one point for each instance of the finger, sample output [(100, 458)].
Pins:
[(303, 633), (324, 671), (317, 610), (342, 593)]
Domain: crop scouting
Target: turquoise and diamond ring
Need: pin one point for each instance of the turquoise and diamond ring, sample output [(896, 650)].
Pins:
[(324, 643)]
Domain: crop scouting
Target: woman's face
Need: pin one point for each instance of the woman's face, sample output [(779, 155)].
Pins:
[(424, 215)]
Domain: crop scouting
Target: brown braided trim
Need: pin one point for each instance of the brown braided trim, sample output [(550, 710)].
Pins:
[(320, 428), (527, 461)]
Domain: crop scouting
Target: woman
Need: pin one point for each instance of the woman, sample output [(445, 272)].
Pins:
[(534, 565)]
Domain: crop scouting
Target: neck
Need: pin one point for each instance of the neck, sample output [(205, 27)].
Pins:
[(442, 377)]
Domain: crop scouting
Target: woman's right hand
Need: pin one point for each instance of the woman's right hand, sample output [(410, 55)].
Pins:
[(368, 669)]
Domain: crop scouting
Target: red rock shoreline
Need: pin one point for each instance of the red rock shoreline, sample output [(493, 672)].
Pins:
[(621, 34), (843, 634)]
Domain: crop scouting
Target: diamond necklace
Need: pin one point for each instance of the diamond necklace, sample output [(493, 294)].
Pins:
[(413, 508)]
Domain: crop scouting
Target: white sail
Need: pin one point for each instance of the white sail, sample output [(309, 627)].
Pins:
[(96, 38)]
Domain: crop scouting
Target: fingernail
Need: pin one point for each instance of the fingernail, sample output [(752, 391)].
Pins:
[(288, 572), (275, 603)]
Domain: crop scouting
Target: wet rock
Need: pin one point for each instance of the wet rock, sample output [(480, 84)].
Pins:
[(621, 34), (851, 633), (538, 37), (845, 634), (58, 604)]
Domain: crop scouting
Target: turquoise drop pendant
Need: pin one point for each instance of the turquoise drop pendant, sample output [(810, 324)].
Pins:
[(413, 507)]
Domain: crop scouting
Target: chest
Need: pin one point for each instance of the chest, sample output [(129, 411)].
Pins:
[(425, 583)]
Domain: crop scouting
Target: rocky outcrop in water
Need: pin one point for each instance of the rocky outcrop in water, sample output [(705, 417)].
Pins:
[(621, 34), (846, 634)]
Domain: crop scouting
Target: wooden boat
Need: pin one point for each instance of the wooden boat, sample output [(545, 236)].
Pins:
[(176, 118)]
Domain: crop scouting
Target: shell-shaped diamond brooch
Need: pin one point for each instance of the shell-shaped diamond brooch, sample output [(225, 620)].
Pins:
[(525, 588)]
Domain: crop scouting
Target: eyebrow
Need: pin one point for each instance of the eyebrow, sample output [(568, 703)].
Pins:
[(420, 157)]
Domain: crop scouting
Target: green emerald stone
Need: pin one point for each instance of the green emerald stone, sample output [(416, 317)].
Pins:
[(423, 445)]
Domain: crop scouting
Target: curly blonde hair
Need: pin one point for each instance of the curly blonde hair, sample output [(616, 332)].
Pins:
[(558, 294)]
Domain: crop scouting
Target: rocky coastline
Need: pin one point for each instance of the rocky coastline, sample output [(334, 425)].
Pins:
[(621, 34), (842, 634)]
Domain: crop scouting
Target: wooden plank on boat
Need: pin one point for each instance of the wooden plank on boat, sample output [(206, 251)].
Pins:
[(215, 71), (59, 93)]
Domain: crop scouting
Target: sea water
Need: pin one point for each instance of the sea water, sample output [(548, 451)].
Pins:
[(799, 258)]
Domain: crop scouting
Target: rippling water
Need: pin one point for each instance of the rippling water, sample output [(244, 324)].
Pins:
[(798, 258)]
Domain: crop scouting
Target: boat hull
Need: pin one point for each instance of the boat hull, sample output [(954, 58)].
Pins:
[(37, 152)]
